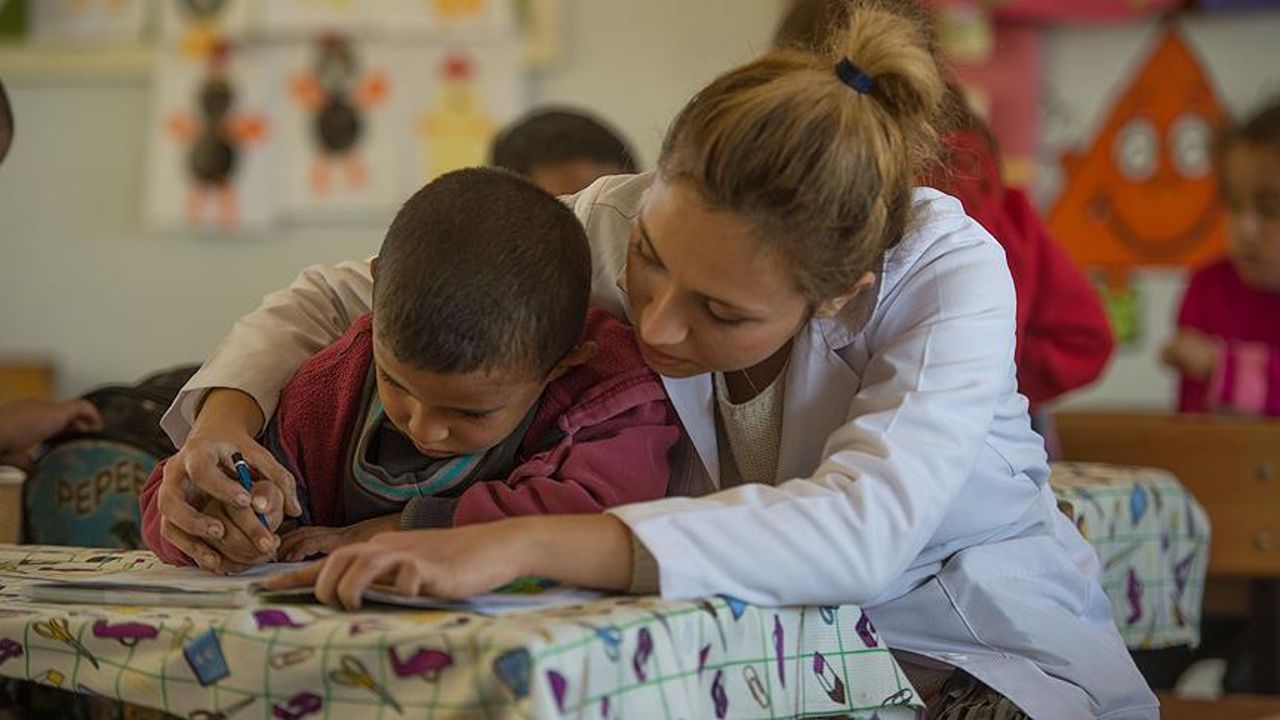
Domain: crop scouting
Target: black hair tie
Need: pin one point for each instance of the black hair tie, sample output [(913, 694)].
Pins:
[(854, 77)]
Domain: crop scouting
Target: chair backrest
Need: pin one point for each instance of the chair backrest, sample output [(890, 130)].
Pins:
[(1231, 465)]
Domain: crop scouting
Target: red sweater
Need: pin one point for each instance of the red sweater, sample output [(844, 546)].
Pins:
[(1064, 339), (600, 438), (1247, 376)]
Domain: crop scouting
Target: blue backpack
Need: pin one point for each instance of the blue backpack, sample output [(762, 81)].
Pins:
[(84, 488)]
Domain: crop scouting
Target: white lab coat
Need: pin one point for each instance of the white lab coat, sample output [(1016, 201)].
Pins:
[(909, 479)]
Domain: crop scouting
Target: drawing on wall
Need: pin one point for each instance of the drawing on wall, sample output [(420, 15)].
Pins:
[(457, 128), (209, 125), (1142, 193), (337, 92)]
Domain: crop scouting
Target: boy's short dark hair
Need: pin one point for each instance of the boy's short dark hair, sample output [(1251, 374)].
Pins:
[(482, 270), (549, 136)]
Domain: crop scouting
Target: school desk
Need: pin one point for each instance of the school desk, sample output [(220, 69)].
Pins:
[(1152, 539), (611, 658)]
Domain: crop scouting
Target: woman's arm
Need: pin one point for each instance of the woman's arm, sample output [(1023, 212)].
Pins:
[(941, 362), (222, 409), (266, 346)]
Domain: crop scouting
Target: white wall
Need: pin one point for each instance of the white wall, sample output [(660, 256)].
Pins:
[(1086, 66), (83, 284)]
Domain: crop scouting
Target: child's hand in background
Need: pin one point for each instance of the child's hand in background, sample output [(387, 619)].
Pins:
[(316, 540), (27, 423), (1193, 353)]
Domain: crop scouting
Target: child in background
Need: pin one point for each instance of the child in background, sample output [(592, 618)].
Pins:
[(480, 387), (1227, 348), (561, 150), (1064, 339)]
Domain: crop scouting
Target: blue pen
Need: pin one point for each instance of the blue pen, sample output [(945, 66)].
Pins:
[(246, 480)]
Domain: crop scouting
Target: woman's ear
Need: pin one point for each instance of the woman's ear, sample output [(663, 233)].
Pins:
[(833, 307), (373, 267), (576, 357)]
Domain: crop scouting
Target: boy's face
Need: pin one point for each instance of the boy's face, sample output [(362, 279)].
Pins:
[(1251, 190), (446, 414)]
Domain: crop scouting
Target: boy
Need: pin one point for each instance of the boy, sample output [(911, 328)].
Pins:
[(562, 150), (480, 387)]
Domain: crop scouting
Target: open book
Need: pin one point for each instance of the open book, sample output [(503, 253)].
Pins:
[(194, 588)]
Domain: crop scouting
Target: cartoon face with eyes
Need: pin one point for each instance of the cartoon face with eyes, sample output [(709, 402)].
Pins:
[(1145, 193)]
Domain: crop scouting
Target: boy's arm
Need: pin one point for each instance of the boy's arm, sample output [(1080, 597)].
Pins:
[(621, 460)]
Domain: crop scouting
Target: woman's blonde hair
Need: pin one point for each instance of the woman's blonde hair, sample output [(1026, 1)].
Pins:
[(823, 170)]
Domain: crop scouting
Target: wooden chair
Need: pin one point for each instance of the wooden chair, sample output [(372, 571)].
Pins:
[(25, 379), (1232, 466)]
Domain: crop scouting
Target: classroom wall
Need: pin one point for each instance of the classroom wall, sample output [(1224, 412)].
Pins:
[(83, 284)]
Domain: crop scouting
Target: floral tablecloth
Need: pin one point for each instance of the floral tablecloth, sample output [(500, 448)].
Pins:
[(611, 658), (1152, 538)]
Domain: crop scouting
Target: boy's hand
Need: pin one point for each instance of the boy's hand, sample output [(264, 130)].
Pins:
[(316, 540), (1193, 353)]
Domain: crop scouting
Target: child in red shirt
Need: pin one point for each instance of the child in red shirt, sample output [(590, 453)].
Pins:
[(1227, 349)]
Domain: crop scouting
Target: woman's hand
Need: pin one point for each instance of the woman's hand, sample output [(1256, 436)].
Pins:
[(238, 548), (201, 472), (318, 540), (583, 550)]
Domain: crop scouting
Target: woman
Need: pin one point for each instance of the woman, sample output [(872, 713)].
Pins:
[(839, 347)]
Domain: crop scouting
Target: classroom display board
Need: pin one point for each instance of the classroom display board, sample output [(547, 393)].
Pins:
[(310, 111)]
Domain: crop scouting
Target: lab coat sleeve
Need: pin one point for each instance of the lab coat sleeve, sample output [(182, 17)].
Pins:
[(941, 348), (266, 346)]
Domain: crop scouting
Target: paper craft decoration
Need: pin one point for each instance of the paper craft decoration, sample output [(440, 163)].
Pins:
[(451, 20), (197, 26), (328, 109), (453, 118), (337, 145), (210, 129), (1143, 193), (87, 22)]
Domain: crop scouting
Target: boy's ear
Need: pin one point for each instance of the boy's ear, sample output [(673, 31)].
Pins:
[(832, 307), (576, 357), (373, 266)]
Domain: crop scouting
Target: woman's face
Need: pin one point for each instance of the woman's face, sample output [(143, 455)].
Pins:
[(706, 295)]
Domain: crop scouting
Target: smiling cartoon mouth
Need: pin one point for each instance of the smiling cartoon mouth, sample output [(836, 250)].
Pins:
[(1155, 248)]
